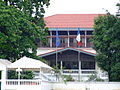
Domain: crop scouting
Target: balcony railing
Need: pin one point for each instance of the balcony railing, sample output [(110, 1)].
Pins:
[(23, 82), (66, 45), (76, 71)]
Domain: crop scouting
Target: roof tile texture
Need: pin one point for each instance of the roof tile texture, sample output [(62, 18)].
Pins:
[(71, 20)]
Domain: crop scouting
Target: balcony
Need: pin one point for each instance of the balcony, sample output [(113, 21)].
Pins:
[(68, 41)]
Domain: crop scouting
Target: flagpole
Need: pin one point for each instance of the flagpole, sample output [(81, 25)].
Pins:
[(56, 57), (79, 76), (57, 44), (79, 61)]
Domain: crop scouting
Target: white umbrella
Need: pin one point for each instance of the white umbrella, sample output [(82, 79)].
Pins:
[(26, 63)]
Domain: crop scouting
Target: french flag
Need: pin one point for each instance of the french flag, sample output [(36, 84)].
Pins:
[(78, 38)]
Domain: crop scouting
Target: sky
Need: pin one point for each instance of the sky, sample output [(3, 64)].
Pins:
[(81, 7)]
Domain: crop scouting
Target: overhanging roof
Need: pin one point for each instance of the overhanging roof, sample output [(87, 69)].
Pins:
[(28, 64), (71, 20), (4, 63), (85, 51)]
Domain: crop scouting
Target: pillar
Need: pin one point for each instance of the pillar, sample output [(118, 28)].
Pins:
[(68, 40), (79, 72), (85, 39), (61, 66), (3, 79), (50, 38)]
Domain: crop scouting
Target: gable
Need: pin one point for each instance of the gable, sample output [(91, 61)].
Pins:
[(65, 49)]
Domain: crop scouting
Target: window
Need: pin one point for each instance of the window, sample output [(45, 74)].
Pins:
[(88, 65), (70, 65), (75, 32), (89, 32)]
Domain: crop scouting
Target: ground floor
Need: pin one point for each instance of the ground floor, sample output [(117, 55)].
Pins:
[(77, 62)]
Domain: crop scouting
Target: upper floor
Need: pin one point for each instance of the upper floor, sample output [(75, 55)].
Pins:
[(67, 26)]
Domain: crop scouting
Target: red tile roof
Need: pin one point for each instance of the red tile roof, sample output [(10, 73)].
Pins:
[(71, 20)]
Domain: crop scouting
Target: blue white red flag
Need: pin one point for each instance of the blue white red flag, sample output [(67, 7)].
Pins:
[(78, 38)]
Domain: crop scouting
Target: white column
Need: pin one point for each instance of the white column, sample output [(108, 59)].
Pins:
[(61, 66), (40, 74), (85, 39), (3, 79), (79, 70), (79, 61), (68, 40), (50, 38), (40, 78)]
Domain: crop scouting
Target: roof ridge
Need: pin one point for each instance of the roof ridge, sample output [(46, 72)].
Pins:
[(78, 14)]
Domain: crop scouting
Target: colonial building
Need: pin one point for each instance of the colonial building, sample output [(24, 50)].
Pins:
[(67, 26), (70, 58)]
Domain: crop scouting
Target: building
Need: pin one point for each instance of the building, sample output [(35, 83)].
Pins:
[(67, 26), (43, 82), (70, 58)]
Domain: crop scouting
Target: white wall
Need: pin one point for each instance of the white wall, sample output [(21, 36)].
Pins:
[(46, 85), (23, 87), (87, 86), (68, 86)]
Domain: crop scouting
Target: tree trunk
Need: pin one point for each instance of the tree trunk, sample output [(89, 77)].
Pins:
[(109, 76)]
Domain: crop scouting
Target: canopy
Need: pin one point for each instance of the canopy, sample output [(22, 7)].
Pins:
[(4, 63), (26, 63)]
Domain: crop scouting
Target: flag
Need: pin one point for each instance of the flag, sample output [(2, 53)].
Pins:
[(78, 38), (57, 39)]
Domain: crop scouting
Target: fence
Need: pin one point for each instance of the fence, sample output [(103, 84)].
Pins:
[(23, 84), (87, 86), (45, 85)]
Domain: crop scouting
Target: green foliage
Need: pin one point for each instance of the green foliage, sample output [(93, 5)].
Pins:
[(106, 40), (17, 34), (57, 72), (12, 74), (68, 78), (116, 72), (33, 8), (21, 24), (24, 75), (94, 77), (27, 75), (59, 75)]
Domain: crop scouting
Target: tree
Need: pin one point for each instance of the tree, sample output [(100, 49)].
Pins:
[(33, 8), (118, 12), (17, 34), (106, 40), (116, 72)]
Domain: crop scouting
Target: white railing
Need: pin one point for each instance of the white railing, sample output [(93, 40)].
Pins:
[(76, 71), (23, 82)]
